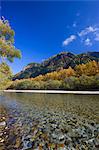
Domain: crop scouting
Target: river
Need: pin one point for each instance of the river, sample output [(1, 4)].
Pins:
[(49, 121)]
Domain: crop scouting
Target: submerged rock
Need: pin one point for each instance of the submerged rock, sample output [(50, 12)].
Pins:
[(47, 130), (3, 123), (27, 144), (18, 143)]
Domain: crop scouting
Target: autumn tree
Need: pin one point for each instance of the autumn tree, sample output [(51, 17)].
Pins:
[(7, 48), (5, 70), (5, 75), (7, 51), (90, 69), (53, 75), (66, 73)]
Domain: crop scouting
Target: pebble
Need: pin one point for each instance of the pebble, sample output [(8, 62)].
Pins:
[(40, 131), (1, 140), (3, 123)]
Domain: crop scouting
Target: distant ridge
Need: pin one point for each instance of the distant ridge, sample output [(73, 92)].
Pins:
[(56, 62)]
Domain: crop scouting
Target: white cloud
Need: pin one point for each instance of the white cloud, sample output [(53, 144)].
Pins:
[(69, 40), (88, 42), (92, 32), (88, 30), (74, 24), (97, 37), (87, 36)]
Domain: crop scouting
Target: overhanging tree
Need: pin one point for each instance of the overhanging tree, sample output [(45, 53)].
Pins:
[(7, 52), (7, 48)]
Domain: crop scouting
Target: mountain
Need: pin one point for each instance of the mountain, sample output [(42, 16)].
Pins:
[(56, 62)]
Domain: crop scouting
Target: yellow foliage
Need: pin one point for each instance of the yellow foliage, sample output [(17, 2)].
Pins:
[(56, 75), (91, 68)]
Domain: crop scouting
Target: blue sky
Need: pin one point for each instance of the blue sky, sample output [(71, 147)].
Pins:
[(46, 28)]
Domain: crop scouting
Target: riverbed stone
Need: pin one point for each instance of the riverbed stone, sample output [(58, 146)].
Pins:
[(44, 128), (3, 123)]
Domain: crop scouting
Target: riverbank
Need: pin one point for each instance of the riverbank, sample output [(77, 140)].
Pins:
[(51, 91)]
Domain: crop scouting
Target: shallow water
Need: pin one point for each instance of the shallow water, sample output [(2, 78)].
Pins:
[(83, 105), (41, 120)]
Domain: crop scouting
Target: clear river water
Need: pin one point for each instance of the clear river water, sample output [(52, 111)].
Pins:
[(49, 121)]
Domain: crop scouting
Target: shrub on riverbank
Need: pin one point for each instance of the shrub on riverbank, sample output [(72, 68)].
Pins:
[(70, 83)]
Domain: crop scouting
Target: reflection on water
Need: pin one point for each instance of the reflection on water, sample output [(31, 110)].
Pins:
[(48, 121)]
